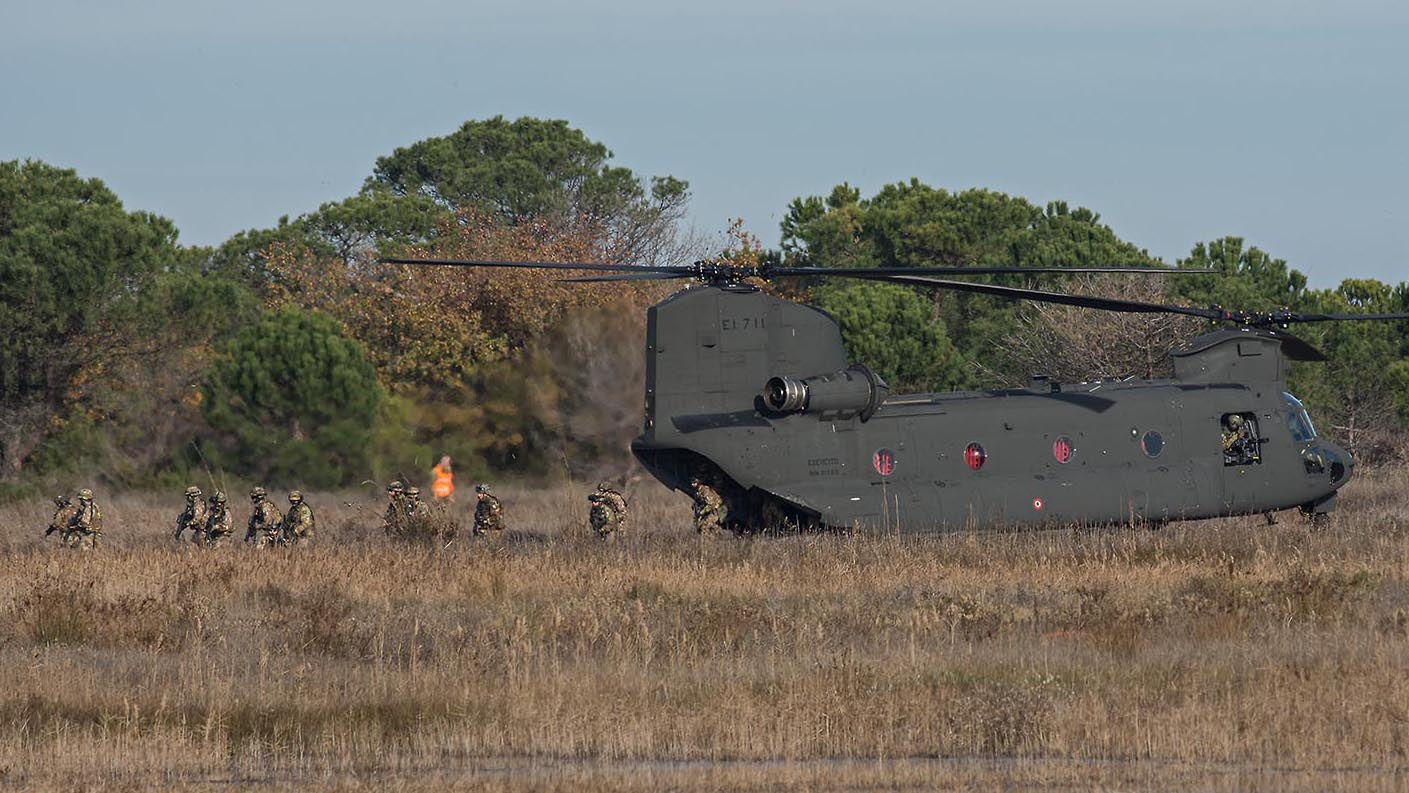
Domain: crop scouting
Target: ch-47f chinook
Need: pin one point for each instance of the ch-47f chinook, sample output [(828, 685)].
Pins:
[(754, 394)]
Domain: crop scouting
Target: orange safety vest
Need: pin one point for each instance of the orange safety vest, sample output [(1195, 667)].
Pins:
[(443, 485)]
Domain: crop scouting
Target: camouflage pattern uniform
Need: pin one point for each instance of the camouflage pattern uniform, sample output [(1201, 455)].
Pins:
[(489, 513), (85, 528), (219, 524), (709, 507), (393, 522), (298, 523), (64, 511), (608, 513), (266, 524), (193, 517)]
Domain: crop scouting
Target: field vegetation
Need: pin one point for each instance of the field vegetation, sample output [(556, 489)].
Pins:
[(1222, 654)]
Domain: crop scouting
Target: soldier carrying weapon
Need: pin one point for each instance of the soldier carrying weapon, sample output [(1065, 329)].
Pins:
[(218, 523), (85, 528), (63, 515), (394, 521), (298, 523), (489, 513), (708, 508), (266, 523), (608, 511), (193, 517)]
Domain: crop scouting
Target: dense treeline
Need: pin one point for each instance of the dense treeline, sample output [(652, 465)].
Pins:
[(290, 355)]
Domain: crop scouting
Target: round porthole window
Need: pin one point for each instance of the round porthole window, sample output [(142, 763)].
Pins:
[(974, 456), (1152, 443), (1063, 449)]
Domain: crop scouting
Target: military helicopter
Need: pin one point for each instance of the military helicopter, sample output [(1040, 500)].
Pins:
[(754, 394)]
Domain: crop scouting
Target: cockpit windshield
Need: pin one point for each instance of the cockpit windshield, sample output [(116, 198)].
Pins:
[(1298, 421)]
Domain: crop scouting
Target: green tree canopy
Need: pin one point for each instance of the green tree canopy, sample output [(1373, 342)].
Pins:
[(913, 225), (294, 401), (892, 330), (76, 277), (539, 169)]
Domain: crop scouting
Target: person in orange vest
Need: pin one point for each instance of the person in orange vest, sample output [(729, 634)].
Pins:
[(443, 484)]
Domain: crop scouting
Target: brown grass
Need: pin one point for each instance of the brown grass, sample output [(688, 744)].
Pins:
[(1222, 655)]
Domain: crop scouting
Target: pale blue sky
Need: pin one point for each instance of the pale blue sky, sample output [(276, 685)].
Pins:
[(1284, 122)]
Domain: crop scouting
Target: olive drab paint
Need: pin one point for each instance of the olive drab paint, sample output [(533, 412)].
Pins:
[(755, 394)]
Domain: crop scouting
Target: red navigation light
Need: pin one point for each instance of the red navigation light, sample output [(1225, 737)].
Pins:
[(974, 456), (1062, 449)]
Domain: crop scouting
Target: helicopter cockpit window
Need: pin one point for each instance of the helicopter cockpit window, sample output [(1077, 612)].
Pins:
[(1242, 445), (1303, 431)]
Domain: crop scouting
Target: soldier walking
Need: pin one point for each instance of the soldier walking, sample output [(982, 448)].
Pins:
[(266, 524), (709, 507), (193, 517), (489, 513), (608, 511), (64, 510), (298, 523), (393, 522), (85, 528), (219, 524)]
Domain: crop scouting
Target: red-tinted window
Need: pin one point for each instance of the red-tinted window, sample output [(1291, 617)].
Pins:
[(883, 461), (1062, 450), (974, 456)]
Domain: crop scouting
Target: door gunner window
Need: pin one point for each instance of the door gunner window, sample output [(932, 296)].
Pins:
[(1242, 445)]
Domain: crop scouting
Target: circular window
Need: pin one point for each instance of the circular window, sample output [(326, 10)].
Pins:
[(974, 456), (883, 461), (1152, 443), (1062, 450)]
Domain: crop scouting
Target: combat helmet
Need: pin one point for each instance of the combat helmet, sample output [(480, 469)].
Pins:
[(258, 492), (62, 501), (413, 491), (217, 497), (396, 487), (85, 495), (1235, 421), (603, 486), (482, 488), (295, 496), (193, 492)]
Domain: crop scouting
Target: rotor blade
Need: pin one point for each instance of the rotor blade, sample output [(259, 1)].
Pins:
[(1294, 316), (1043, 296), (647, 276), (1295, 347), (610, 268), (960, 270)]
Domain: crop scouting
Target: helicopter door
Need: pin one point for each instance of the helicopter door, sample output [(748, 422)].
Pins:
[(1244, 476)]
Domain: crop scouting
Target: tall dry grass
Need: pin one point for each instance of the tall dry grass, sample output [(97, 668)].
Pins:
[(1220, 654)]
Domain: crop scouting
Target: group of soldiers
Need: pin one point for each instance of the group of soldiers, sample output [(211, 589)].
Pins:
[(207, 524), (210, 524)]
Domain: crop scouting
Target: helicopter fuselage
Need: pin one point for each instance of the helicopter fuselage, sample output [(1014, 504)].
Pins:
[(754, 394)]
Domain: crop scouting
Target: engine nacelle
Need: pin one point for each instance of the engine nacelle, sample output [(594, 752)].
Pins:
[(855, 391)]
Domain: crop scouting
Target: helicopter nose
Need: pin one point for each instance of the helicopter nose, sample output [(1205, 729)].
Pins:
[(1340, 464)]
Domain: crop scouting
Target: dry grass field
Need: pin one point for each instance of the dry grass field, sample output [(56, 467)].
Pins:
[(1220, 655)]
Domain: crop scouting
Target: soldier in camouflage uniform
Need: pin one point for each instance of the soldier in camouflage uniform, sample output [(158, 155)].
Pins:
[(298, 523), (393, 522), (489, 513), (64, 510), (266, 524), (193, 517), (709, 507), (608, 512), (219, 524), (85, 528)]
